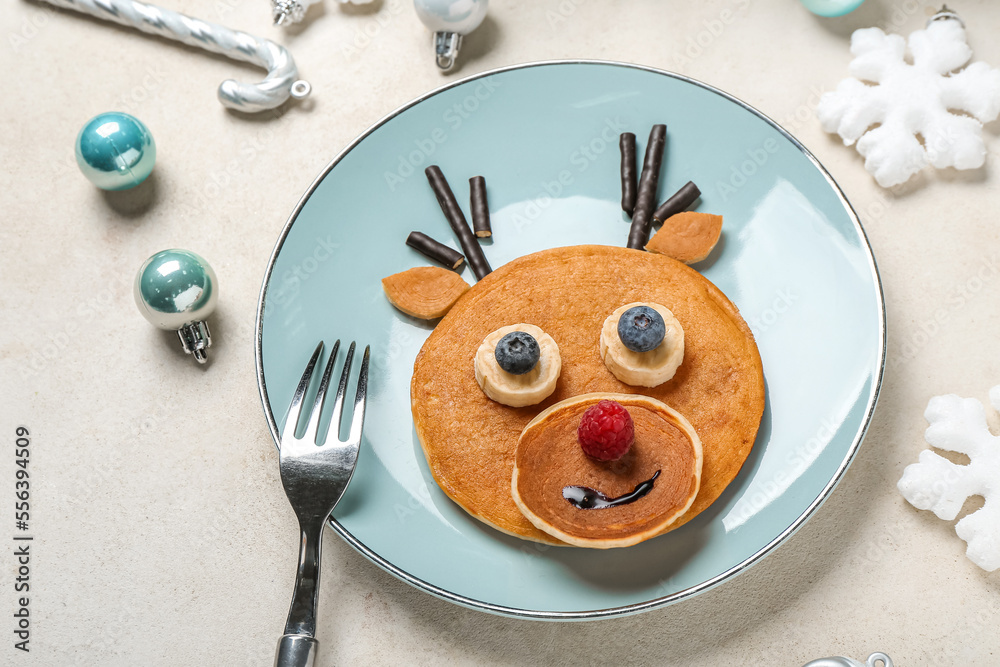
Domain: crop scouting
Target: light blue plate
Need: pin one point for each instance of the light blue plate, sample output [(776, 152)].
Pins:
[(793, 258)]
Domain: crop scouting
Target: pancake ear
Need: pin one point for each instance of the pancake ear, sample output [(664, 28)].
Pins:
[(424, 292), (688, 236)]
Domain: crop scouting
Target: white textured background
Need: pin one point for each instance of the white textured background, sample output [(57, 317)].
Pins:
[(162, 534)]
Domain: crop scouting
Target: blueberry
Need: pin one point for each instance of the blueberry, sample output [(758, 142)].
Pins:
[(517, 352), (641, 329)]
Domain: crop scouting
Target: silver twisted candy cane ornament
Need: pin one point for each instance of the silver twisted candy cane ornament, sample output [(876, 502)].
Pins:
[(281, 80), (874, 660)]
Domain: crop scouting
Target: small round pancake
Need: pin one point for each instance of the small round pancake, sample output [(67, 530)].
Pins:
[(470, 441), (549, 458)]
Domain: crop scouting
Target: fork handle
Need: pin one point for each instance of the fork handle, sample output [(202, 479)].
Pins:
[(296, 651), (298, 646)]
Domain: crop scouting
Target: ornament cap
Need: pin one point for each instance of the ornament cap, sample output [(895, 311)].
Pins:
[(446, 46), (450, 20), (196, 338), (287, 11), (945, 14)]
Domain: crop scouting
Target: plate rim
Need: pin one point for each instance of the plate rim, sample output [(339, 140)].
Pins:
[(635, 608)]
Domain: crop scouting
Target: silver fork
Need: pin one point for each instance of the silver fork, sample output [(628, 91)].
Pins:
[(314, 478)]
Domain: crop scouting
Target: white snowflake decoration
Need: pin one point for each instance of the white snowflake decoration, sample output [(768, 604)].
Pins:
[(909, 100), (935, 483)]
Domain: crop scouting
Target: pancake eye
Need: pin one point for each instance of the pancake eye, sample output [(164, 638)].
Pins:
[(642, 344), (517, 352), (518, 365), (641, 329)]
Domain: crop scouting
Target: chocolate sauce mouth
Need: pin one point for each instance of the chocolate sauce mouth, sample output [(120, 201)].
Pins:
[(586, 498)]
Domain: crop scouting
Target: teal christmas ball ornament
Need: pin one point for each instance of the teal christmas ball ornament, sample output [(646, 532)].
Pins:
[(177, 290), (115, 151), (831, 7)]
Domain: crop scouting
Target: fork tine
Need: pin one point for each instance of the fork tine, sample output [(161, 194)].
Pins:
[(359, 400), (295, 409), (338, 405), (312, 430)]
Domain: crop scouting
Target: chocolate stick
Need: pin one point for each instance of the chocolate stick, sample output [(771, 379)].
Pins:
[(480, 207), (434, 250), (678, 202), (642, 217), (626, 143), (453, 212)]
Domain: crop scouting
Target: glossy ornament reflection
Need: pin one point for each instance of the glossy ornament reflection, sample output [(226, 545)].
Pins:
[(178, 290), (115, 151)]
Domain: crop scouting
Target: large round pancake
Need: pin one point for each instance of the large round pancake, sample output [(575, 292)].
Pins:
[(470, 441), (666, 453)]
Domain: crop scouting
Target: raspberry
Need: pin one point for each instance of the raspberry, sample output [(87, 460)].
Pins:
[(606, 431)]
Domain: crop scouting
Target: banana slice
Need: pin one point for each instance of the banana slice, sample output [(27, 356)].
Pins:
[(518, 391), (643, 369)]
